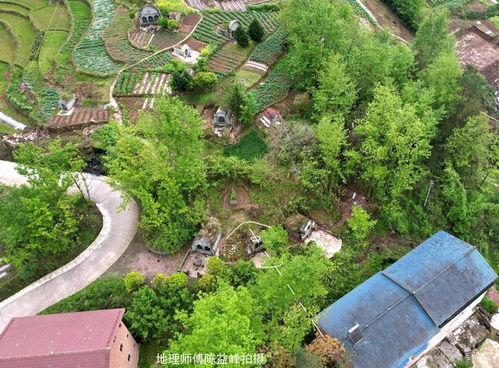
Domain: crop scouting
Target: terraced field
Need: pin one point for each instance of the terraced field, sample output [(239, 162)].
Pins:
[(52, 43), (116, 39), (11, 7), (90, 55), (227, 59), (24, 34), (205, 31), (51, 16), (7, 45)]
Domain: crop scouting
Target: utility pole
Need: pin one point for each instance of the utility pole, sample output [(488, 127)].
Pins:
[(428, 194)]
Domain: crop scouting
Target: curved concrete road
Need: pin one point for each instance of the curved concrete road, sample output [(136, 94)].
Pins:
[(118, 229)]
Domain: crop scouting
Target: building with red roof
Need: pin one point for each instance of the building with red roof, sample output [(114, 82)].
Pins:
[(95, 339)]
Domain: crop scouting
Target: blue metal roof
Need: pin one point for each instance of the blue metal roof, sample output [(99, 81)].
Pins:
[(401, 308)]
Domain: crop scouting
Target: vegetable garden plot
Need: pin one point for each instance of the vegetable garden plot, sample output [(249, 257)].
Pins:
[(155, 61), (224, 61), (116, 39), (447, 3), (90, 55), (82, 17), (142, 84), (274, 88), (205, 31), (269, 50)]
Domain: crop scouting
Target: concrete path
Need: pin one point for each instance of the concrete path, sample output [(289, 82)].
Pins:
[(118, 230), (11, 122)]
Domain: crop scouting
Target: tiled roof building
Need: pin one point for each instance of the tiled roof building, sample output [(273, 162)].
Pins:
[(97, 339), (397, 315)]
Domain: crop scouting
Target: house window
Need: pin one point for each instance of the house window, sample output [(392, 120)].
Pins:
[(128, 357), (127, 336), (144, 20), (121, 347), (119, 325)]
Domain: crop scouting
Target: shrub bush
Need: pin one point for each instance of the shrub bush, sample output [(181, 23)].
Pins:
[(134, 280), (489, 305)]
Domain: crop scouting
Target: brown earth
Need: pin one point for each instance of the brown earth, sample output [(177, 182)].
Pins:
[(388, 19)]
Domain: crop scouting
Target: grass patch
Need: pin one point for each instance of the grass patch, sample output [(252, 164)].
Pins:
[(24, 32), (105, 293), (48, 52), (53, 17), (250, 147), (7, 45), (247, 77), (32, 4), (15, 8)]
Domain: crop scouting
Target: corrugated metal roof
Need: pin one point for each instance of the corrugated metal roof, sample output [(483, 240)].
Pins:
[(400, 309)]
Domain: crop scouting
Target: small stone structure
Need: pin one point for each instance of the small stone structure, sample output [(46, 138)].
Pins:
[(299, 226), (148, 15), (229, 32), (222, 120), (207, 240), (67, 106), (186, 54)]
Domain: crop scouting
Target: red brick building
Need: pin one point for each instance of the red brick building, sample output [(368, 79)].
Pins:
[(97, 339)]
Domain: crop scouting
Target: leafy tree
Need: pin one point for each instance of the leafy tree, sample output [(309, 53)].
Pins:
[(432, 38), (315, 29), (159, 162), (332, 138), (335, 93), (409, 11), (360, 224), (204, 80), (394, 143), (290, 333), (241, 36), (470, 149), (442, 76), (223, 322), (248, 109), (377, 59), (215, 266), (146, 316), (207, 282), (255, 30), (181, 81), (167, 24), (275, 239), (40, 218), (290, 143), (134, 280), (463, 207), (303, 273), (240, 103), (241, 273)]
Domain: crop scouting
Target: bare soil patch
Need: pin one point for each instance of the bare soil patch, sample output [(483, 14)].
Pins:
[(140, 258), (388, 19)]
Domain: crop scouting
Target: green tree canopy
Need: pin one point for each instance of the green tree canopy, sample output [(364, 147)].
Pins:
[(159, 162), (255, 30)]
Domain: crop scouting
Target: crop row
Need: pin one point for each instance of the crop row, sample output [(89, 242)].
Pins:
[(269, 50), (116, 39), (224, 62), (205, 31), (155, 61), (14, 95), (274, 88), (447, 3), (82, 17), (91, 55), (126, 82)]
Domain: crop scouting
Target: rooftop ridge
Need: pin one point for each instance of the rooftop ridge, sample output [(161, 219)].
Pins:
[(60, 353)]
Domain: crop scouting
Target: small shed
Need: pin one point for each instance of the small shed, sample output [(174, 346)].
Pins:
[(67, 105), (176, 16), (149, 14), (202, 244)]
